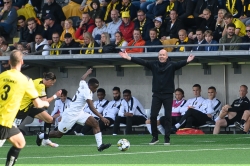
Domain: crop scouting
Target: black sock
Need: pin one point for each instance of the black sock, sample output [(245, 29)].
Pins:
[(243, 132), (242, 122), (12, 156), (47, 127)]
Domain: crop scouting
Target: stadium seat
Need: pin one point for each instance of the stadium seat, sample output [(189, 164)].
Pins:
[(35, 124), (76, 21)]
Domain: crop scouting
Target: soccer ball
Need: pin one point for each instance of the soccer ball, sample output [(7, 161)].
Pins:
[(123, 144)]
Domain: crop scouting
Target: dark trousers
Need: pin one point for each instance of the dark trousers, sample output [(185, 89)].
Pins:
[(103, 126), (129, 121), (157, 101), (194, 118), (175, 119)]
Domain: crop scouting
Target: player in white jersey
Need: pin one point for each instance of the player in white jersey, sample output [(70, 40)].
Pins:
[(130, 113), (198, 117), (100, 105), (75, 114)]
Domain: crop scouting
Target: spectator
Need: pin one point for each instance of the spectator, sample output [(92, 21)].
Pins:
[(112, 5), (183, 39), (173, 5), (230, 37), (157, 9), (17, 4), (127, 6), (68, 28), (97, 11), (220, 24), (120, 42), (75, 8), (2, 39), (172, 26), (240, 28), (27, 10), (137, 41), (89, 43), (52, 8), (23, 29), (86, 25), (56, 43), (70, 43), (234, 7), (5, 48), (246, 39), (234, 111), (5, 66), (40, 45), (114, 25), (21, 48), (208, 21), (206, 112), (176, 115), (209, 40), (127, 27), (186, 13), (144, 24), (199, 40), (245, 16), (130, 113), (50, 26), (153, 41), (161, 30), (143, 4), (107, 47), (34, 29), (8, 18), (99, 29)]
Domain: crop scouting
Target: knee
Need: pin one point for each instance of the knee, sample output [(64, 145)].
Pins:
[(49, 119), (20, 144), (95, 125)]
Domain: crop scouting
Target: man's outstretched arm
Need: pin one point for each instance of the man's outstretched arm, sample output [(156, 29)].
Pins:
[(88, 72)]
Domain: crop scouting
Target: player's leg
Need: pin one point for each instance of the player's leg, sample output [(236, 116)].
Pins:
[(148, 125), (247, 126), (15, 137), (220, 123), (118, 121), (103, 126), (43, 138), (243, 120)]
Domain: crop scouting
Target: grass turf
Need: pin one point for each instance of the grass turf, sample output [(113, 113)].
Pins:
[(187, 150)]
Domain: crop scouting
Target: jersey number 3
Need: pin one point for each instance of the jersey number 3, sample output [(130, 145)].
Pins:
[(4, 96)]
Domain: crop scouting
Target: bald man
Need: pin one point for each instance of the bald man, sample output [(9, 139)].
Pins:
[(163, 71)]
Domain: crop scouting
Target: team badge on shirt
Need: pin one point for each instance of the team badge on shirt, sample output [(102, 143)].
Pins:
[(64, 129)]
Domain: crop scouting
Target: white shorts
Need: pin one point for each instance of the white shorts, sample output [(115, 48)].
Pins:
[(68, 120)]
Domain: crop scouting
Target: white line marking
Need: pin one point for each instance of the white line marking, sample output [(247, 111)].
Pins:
[(126, 153)]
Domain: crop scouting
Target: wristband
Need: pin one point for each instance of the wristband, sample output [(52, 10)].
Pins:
[(54, 96)]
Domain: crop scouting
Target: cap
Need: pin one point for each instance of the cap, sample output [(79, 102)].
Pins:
[(125, 14), (67, 35), (50, 17), (158, 19)]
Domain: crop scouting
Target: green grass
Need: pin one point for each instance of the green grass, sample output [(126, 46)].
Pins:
[(184, 150)]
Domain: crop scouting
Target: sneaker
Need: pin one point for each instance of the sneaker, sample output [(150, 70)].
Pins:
[(173, 130), (47, 142), (38, 140), (78, 134), (103, 146), (211, 122), (154, 141), (239, 126), (167, 143)]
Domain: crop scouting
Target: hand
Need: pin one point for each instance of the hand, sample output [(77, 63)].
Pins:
[(49, 42), (46, 104), (81, 24), (163, 38), (81, 8), (127, 114), (190, 35), (105, 121), (89, 71), (59, 119), (28, 45), (58, 93), (190, 58), (201, 15), (125, 55), (45, 26), (242, 17), (158, 2)]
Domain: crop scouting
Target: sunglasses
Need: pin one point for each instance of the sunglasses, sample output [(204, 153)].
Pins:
[(6, 2), (247, 30)]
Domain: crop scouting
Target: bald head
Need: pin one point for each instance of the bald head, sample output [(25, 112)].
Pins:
[(16, 58), (163, 56)]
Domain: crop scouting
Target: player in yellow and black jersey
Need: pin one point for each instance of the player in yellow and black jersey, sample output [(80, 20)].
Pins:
[(28, 109), (13, 86)]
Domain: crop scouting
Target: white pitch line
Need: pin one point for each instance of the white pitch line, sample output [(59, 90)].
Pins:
[(126, 153)]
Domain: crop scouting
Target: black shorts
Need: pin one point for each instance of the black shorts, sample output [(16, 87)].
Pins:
[(233, 120), (32, 112), (6, 133)]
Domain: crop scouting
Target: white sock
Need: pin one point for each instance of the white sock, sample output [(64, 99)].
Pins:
[(98, 138), (161, 129), (149, 128), (177, 125), (218, 118), (41, 136)]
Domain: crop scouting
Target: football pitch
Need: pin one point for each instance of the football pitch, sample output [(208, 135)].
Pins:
[(184, 150)]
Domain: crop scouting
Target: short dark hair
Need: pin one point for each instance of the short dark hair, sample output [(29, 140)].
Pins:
[(49, 76), (212, 87), (127, 91), (5, 43), (117, 89), (179, 90), (64, 92), (227, 15), (141, 11), (245, 86), (199, 30), (197, 85), (101, 90), (137, 29), (21, 17), (153, 29), (93, 82), (31, 19), (232, 25)]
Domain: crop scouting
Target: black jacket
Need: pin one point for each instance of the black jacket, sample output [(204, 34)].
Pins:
[(55, 28), (31, 36), (72, 44), (23, 34), (96, 12), (152, 43), (173, 32), (145, 30), (109, 48), (199, 48), (163, 73), (187, 8), (212, 5), (54, 9), (239, 106), (208, 24), (245, 39)]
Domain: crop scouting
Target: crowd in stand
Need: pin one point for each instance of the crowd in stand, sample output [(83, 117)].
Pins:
[(110, 23)]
